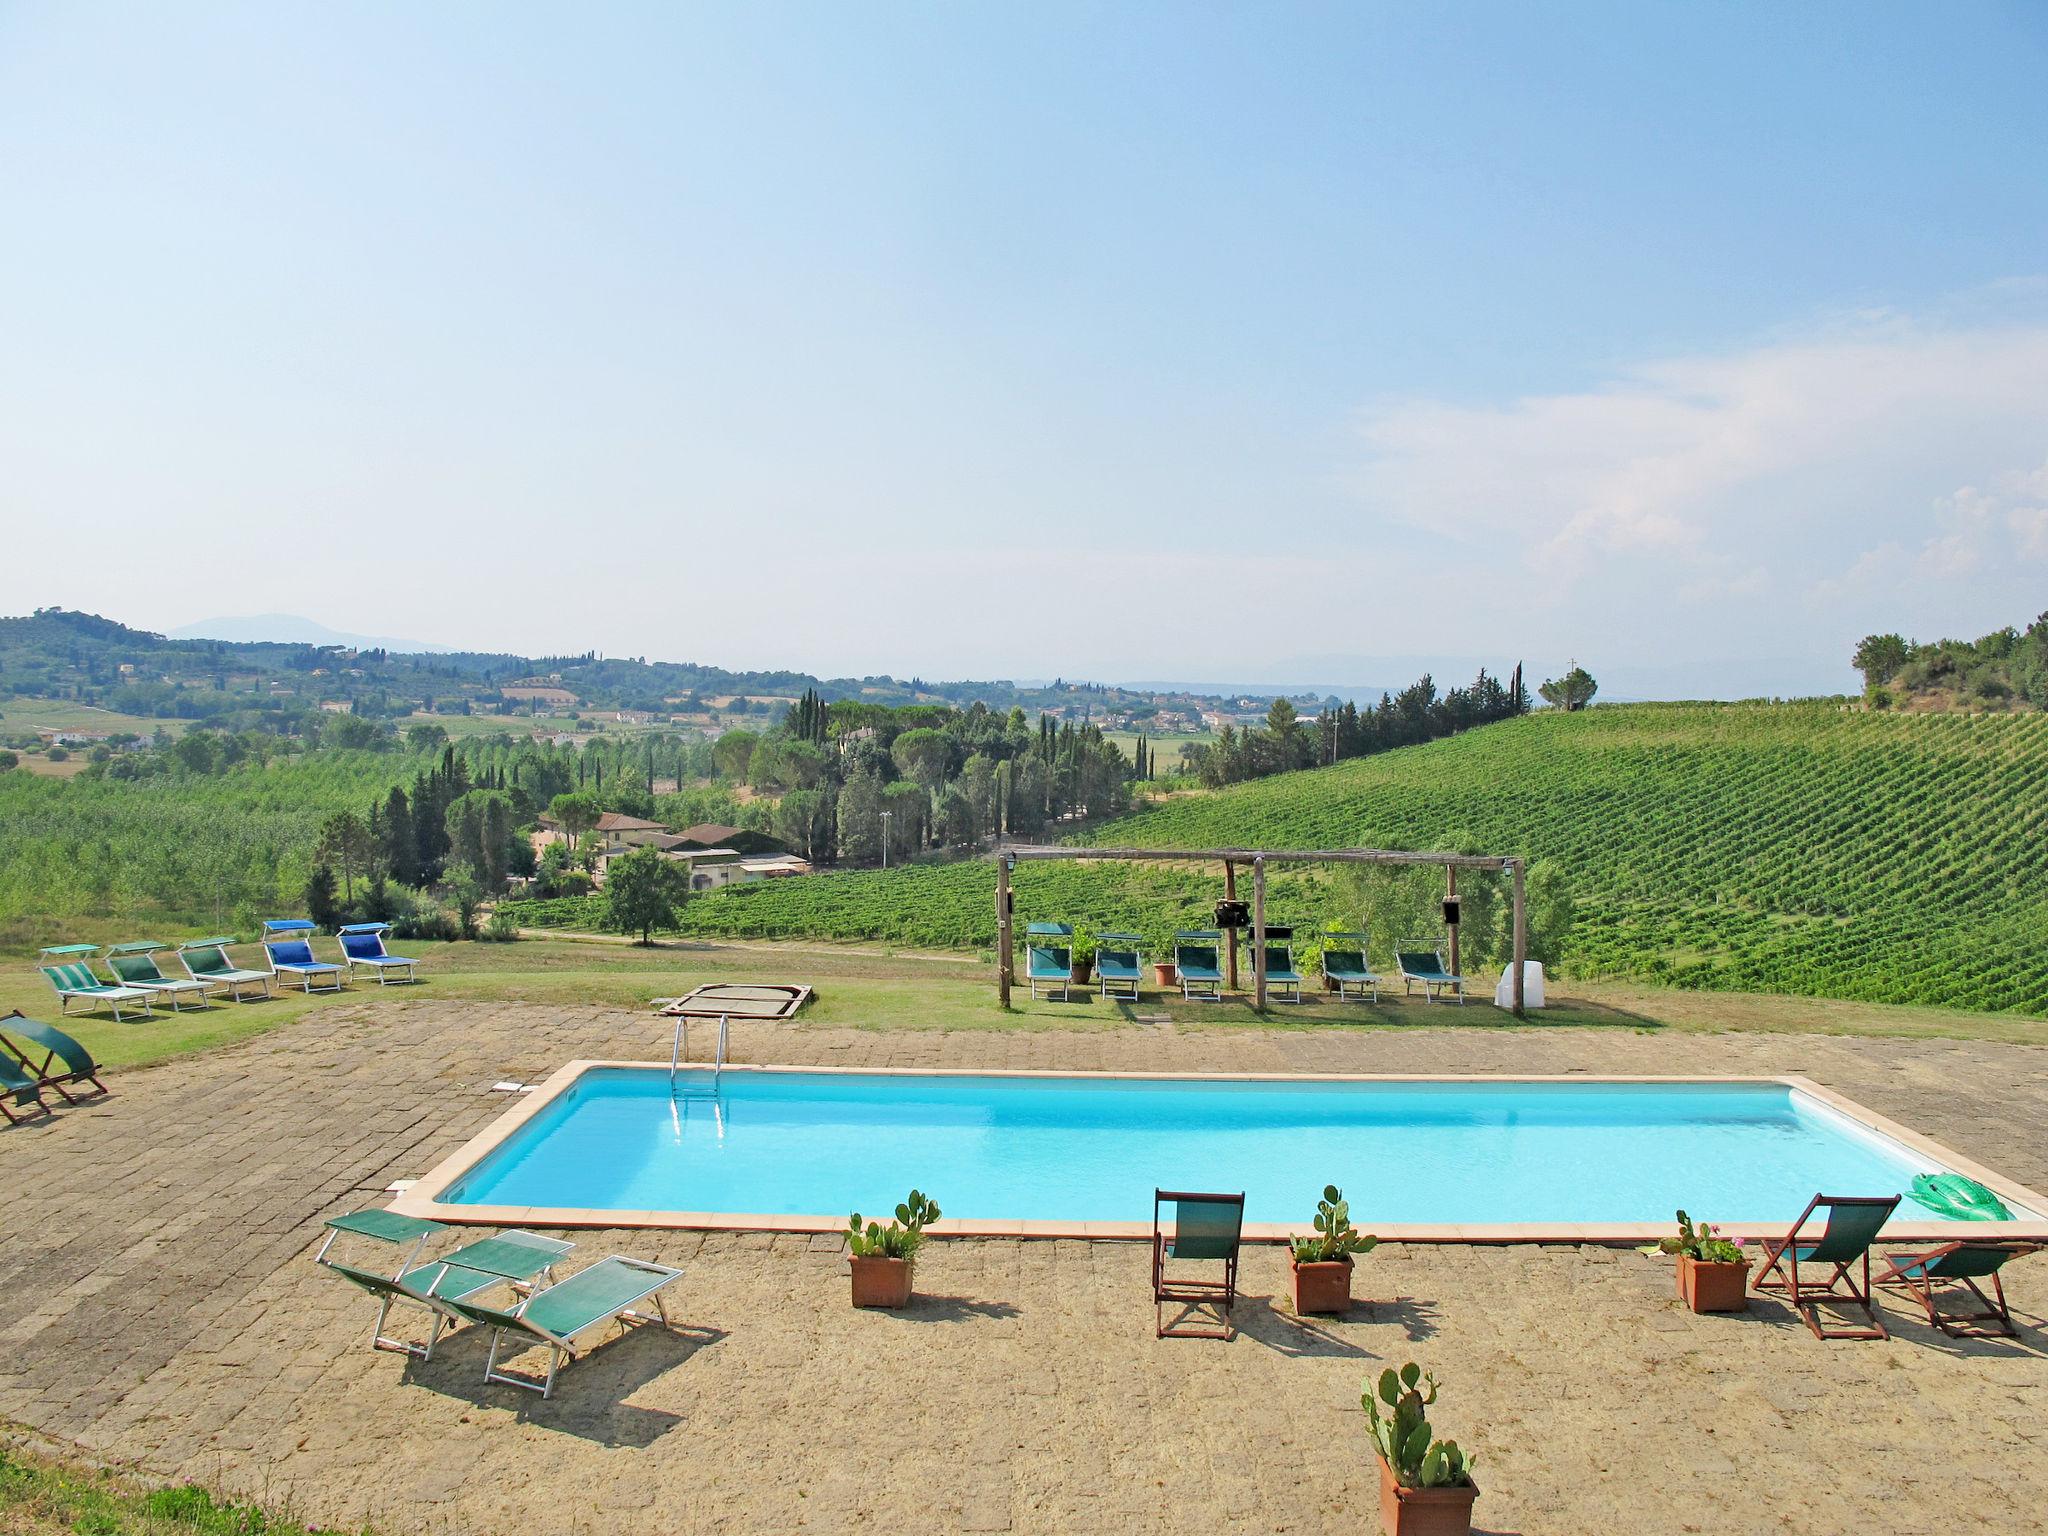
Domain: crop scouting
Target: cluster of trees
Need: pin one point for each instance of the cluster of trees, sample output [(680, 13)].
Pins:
[(1417, 713), (2005, 669)]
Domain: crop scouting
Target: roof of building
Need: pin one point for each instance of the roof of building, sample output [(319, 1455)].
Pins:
[(615, 821)]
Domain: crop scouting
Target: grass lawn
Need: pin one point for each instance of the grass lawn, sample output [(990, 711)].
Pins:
[(41, 1497), (876, 989), (25, 714)]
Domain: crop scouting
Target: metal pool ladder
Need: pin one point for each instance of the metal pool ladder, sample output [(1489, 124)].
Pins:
[(679, 1048)]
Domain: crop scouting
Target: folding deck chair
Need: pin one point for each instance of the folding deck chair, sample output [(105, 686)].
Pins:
[(56, 1046), (1119, 964), (605, 1292), (23, 1091), (1423, 963), (1280, 972), (73, 979), (1049, 957), (363, 944), (512, 1257), (134, 965), (287, 945), (207, 960), (1962, 1264), (1345, 965), (1852, 1226), (1195, 962), (1206, 1228)]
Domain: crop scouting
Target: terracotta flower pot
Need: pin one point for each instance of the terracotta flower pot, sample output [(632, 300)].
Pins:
[(1083, 970), (1166, 975), (1322, 1288), (879, 1282), (1713, 1287), (1424, 1511)]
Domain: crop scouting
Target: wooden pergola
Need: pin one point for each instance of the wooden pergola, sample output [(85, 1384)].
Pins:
[(1257, 859)]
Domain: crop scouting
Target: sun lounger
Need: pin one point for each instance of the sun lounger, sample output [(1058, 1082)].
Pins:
[(1049, 957), (1852, 1226), (207, 960), (55, 1046), (1206, 1228), (363, 944), (1281, 976), (1418, 962), (605, 1292), (1195, 962), (511, 1257), (70, 973), (1961, 1264), (1119, 964), (1345, 966), (287, 944), (134, 965), (19, 1091)]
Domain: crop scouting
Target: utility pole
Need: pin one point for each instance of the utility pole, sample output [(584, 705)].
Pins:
[(885, 837)]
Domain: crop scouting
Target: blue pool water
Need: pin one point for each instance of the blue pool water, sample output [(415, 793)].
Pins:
[(1093, 1149)]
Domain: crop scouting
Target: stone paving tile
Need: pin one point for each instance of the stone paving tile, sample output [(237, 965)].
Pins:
[(158, 1308)]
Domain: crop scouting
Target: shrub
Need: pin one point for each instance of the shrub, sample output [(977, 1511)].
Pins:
[(502, 928)]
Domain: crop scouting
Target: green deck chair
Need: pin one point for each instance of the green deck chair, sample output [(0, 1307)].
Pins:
[(1961, 1264), (55, 1046), (1281, 976), (1345, 965), (605, 1292), (1119, 964), (1853, 1222), (1195, 962), (1049, 962), (134, 965), (1419, 961), (70, 974), (19, 1091), (1206, 1228), (207, 960)]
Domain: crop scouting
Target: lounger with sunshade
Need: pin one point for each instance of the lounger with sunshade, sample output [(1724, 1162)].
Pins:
[(1049, 957), (288, 946), (1345, 966), (511, 1257), (1206, 1229), (69, 971), (1419, 962), (1281, 976), (363, 944), (1960, 1265), (1852, 1226), (207, 960), (54, 1047), (18, 1092), (1119, 964), (552, 1318), (1195, 962), (134, 965)]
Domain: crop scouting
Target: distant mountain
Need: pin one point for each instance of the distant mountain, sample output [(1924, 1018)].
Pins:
[(291, 629)]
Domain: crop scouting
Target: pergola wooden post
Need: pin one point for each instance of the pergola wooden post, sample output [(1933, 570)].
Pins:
[(1003, 931), (1450, 895), (1521, 935), (1230, 894), (1259, 934)]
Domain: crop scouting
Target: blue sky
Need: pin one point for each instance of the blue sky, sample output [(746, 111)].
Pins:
[(1261, 342)]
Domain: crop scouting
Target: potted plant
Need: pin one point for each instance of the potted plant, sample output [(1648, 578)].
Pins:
[(1322, 1264), (1082, 964), (1164, 972), (1713, 1272), (881, 1258), (1426, 1486)]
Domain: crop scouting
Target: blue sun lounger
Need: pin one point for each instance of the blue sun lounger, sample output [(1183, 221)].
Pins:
[(287, 943), (363, 944), (1049, 957), (1119, 964), (70, 973), (1345, 966), (1195, 962)]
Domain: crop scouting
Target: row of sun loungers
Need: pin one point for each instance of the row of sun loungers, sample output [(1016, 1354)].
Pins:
[(1120, 965), (139, 979)]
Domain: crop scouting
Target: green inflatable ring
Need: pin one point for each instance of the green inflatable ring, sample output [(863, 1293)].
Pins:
[(1952, 1195)]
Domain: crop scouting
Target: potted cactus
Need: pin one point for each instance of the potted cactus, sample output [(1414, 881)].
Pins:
[(1426, 1486), (881, 1258), (1713, 1272), (1322, 1264)]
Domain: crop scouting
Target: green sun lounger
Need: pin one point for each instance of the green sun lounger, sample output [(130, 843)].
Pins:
[(1049, 957), (511, 1257), (1853, 1222), (1960, 1264), (70, 974), (207, 960), (134, 965), (55, 1046), (1281, 976), (1195, 962), (1345, 966), (1119, 964), (605, 1292), (19, 1091), (1206, 1228), (1421, 963)]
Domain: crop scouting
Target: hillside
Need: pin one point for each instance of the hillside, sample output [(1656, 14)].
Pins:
[(1803, 848)]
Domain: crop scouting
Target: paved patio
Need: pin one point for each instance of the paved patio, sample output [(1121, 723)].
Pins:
[(158, 1307)]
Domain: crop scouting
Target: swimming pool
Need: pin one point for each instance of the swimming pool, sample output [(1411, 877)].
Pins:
[(1475, 1158)]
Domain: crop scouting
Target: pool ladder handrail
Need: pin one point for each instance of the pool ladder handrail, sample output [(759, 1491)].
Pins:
[(679, 1048)]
